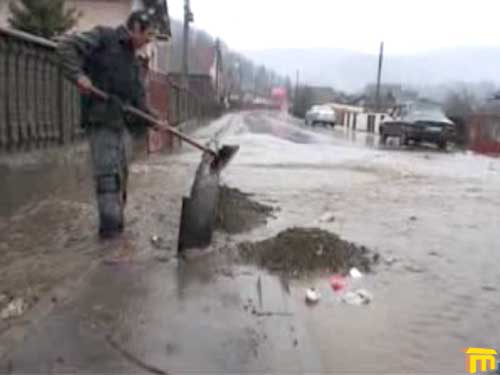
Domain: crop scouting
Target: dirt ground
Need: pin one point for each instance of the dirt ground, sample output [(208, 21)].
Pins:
[(432, 216), (238, 212)]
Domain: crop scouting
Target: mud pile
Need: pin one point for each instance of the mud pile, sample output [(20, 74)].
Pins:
[(237, 213), (300, 251)]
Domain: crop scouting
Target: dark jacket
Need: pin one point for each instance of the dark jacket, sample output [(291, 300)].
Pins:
[(107, 57)]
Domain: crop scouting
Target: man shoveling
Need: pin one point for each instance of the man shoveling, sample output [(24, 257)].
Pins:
[(104, 65), (105, 58)]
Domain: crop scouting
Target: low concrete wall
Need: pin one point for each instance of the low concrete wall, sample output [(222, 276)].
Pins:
[(28, 178)]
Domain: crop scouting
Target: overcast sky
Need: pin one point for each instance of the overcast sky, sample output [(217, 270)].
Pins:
[(406, 26)]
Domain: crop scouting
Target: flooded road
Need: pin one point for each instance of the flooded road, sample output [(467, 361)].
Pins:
[(434, 215)]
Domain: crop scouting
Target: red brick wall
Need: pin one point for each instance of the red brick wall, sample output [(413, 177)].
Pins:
[(158, 98)]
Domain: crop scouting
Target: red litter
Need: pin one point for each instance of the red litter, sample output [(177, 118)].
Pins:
[(338, 282)]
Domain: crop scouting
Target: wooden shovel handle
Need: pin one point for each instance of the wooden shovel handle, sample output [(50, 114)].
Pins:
[(160, 125)]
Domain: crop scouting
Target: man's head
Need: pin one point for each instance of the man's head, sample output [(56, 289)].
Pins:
[(140, 27)]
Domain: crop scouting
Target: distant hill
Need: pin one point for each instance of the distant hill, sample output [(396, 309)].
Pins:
[(351, 71)]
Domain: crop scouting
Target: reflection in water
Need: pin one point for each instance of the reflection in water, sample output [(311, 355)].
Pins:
[(370, 140), (200, 270), (285, 284), (352, 136), (259, 291)]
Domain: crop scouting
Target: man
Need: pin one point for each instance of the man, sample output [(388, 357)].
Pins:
[(106, 58)]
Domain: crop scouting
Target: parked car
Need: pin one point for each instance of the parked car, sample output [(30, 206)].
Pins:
[(417, 122), (320, 115)]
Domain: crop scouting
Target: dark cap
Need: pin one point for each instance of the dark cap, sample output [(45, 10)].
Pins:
[(142, 17)]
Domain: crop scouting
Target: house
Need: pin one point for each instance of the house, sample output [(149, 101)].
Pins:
[(101, 12), (359, 118), (206, 68)]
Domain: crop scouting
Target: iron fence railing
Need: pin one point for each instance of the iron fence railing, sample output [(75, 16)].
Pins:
[(38, 105)]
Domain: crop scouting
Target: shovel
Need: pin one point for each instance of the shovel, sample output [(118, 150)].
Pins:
[(219, 158), (199, 211)]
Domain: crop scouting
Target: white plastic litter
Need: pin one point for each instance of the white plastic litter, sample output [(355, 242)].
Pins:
[(365, 295), (13, 309), (355, 273), (358, 297), (157, 241), (312, 295), (327, 217), (352, 298)]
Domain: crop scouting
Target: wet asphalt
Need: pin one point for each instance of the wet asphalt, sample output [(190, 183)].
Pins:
[(132, 306)]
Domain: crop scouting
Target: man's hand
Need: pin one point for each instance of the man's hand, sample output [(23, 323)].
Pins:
[(84, 84), (159, 126)]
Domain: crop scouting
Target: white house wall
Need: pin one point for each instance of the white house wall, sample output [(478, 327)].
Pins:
[(4, 13), (362, 120), (109, 13)]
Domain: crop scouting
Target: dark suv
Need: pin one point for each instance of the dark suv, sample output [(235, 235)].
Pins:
[(417, 122)]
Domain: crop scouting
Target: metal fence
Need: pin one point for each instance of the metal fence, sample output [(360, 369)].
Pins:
[(39, 107), (177, 103)]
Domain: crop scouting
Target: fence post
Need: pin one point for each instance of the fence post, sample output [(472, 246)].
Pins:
[(3, 94), (36, 105), (199, 112), (8, 77), (28, 90), (179, 106), (60, 105)]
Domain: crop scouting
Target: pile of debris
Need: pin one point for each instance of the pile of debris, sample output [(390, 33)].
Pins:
[(299, 251), (237, 213)]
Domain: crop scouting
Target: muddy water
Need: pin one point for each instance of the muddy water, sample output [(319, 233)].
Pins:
[(436, 213)]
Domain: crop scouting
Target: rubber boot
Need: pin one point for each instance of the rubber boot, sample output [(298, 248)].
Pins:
[(110, 214)]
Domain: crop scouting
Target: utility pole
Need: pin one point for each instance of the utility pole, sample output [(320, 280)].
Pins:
[(379, 75), (217, 65), (297, 82), (188, 17)]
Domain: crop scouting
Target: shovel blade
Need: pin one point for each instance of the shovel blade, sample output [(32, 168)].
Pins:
[(199, 211), (224, 155)]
